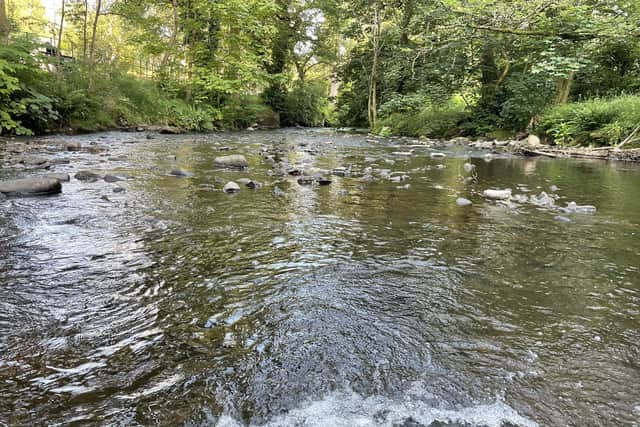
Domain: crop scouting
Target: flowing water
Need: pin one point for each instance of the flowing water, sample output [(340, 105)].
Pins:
[(360, 303)]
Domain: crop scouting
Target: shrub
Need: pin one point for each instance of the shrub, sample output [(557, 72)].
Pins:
[(411, 119), (594, 122)]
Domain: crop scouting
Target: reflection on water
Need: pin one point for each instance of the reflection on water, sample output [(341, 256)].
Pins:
[(360, 303)]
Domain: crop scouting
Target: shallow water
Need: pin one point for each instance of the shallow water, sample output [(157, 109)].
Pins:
[(355, 304)]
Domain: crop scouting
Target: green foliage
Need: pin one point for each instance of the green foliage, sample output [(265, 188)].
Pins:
[(306, 105), (432, 120), (594, 122), (240, 112)]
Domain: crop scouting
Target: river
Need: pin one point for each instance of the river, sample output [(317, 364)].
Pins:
[(360, 303)]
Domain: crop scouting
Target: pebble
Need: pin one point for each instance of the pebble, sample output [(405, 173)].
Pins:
[(461, 201)]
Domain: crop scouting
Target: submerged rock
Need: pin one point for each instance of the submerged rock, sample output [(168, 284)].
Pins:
[(573, 207), (181, 172), (277, 192), (253, 184), (468, 167), (561, 218), (30, 187), (87, 176), (233, 161), (461, 201), (111, 178), (231, 187), (543, 200), (497, 194)]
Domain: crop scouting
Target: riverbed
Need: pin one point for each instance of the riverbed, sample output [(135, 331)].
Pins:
[(377, 300)]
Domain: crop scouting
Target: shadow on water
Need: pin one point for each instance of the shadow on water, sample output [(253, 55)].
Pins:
[(359, 303)]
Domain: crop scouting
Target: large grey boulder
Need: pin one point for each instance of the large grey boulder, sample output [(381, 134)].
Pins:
[(234, 161), (30, 187)]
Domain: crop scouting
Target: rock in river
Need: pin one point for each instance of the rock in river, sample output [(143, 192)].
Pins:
[(180, 172), (62, 177), (86, 176), (497, 194), (461, 201), (234, 161), (231, 187), (30, 187), (111, 178)]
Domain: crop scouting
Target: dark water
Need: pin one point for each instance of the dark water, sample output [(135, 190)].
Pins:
[(355, 304)]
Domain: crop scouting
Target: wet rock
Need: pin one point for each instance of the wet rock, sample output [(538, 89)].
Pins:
[(254, 185), (294, 172), (305, 180), (181, 172), (543, 200), (461, 201), (105, 198), (74, 146), (561, 218), (468, 167), (520, 198), (2, 197), (277, 192), (62, 177), (573, 207), (30, 187), (119, 190), (231, 187), (437, 155), (324, 181), (234, 161), (497, 194), (403, 187), (87, 176), (111, 178), (243, 181)]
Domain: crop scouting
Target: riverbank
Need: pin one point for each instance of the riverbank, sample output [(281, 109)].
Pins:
[(532, 147)]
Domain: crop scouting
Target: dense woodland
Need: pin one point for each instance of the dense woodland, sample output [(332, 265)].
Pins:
[(568, 70)]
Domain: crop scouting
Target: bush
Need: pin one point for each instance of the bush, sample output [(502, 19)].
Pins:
[(594, 122), (409, 119), (306, 105), (242, 111)]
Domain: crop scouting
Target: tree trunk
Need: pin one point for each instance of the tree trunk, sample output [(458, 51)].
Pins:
[(5, 28), (93, 41), (376, 31), (174, 34), (60, 31), (84, 30), (563, 88)]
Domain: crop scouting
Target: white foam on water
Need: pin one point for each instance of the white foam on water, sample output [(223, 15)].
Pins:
[(348, 409)]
